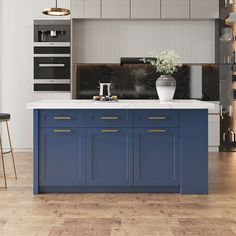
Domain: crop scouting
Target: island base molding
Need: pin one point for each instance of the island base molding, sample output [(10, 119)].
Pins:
[(120, 189)]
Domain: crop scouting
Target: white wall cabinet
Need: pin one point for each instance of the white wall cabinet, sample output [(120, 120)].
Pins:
[(142, 9), (148, 9), (116, 9), (77, 8), (204, 9), (175, 9), (61, 3), (92, 8)]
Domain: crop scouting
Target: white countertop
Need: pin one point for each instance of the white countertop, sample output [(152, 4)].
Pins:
[(121, 104)]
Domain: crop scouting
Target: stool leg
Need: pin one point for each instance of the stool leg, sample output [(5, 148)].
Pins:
[(12, 156), (3, 164)]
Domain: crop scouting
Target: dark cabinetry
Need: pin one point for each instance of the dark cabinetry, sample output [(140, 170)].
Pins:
[(156, 156), (120, 151), (62, 156), (109, 156)]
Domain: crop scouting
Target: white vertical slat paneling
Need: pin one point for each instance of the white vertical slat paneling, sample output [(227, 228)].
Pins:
[(106, 41)]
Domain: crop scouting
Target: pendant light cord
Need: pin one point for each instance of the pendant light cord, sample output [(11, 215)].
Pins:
[(56, 3)]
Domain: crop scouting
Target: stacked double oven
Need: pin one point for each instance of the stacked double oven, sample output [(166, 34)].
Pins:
[(52, 70)]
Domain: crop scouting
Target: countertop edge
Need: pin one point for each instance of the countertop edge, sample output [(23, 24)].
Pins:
[(125, 104)]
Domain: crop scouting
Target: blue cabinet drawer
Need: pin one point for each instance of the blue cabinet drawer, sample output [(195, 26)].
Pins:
[(156, 118), (62, 118), (109, 118)]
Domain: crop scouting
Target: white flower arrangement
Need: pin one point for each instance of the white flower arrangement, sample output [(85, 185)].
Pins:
[(166, 63)]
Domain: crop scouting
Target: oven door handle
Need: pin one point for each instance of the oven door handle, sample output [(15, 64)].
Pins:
[(51, 65)]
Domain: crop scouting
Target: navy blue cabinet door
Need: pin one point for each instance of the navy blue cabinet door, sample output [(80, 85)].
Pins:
[(109, 156), (61, 156), (156, 156)]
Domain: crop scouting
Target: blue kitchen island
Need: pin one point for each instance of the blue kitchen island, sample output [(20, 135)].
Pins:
[(130, 146)]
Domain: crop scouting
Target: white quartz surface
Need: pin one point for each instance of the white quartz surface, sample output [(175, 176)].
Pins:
[(121, 104)]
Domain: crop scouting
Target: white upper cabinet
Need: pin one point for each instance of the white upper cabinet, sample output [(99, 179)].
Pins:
[(204, 9), (62, 3), (92, 8), (140, 9), (116, 9), (175, 9), (145, 9), (77, 8)]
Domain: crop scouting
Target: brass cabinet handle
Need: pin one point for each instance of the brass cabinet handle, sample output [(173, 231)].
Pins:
[(157, 118), (109, 131), (156, 130), (62, 118), (62, 131), (109, 118)]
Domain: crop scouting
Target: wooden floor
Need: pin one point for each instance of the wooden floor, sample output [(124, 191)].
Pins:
[(22, 214)]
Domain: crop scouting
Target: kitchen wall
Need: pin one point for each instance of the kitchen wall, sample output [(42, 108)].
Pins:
[(16, 66), (16, 62), (107, 41)]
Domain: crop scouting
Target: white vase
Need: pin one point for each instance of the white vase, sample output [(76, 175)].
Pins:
[(165, 86)]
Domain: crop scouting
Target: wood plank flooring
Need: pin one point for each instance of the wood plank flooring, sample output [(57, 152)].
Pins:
[(22, 214)]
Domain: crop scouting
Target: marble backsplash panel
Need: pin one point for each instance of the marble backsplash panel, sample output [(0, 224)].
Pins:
[(137, 81)]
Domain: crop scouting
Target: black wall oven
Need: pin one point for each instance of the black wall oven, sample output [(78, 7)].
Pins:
[(52, 56)]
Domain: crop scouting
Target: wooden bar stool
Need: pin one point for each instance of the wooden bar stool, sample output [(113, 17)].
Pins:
[(5, 118)]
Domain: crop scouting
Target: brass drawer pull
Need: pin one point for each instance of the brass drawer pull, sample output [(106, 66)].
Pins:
[(157, 118), (109, 131), (62, 131), (109, 118), (156, 130), (62, 118)]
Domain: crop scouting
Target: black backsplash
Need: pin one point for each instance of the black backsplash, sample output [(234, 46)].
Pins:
[(137, 81)]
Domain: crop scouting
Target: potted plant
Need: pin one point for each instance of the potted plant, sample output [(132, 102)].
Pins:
[(166, 63)]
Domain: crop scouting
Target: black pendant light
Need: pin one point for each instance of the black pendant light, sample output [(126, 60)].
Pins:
[(56, 11)]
